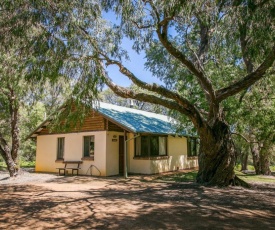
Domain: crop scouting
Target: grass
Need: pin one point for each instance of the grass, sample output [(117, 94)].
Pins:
[(249, 167), (191, 177), (272, 168), (252, 178), (23, 164), (27, 164)]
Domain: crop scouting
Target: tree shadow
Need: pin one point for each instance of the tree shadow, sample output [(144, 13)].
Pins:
[(73, 202)]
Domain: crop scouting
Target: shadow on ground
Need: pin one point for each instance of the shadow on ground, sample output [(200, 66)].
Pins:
[(88, 203)]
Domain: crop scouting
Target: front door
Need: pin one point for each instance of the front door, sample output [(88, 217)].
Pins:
[(121, 155)]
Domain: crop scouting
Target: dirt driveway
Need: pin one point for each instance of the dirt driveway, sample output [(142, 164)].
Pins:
[(45, 201)]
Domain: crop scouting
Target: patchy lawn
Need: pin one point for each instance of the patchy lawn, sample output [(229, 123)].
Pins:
[(47, 201), (190, 176)]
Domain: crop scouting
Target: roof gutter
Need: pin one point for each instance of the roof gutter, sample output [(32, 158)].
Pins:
[(44, 123)]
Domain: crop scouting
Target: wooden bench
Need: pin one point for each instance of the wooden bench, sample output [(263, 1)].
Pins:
[(73, 165)]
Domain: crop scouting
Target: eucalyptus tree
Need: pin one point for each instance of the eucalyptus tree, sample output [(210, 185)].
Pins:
[(12, 88), (39, 102), (204, 51), (256, 123), (20, 112)]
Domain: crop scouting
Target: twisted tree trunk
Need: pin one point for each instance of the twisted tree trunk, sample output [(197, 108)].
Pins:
[(5, 152), (217, 156), (11, 165), (10, 153)]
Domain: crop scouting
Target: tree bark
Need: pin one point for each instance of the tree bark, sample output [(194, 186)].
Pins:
[(15, 132), (7, 156), (10, 154), (264, 162), (217, 156), (261, 159), (244, 161), (256, 157), (11, 165)]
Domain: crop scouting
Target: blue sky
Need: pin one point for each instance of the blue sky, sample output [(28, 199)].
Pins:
[(135, 64)]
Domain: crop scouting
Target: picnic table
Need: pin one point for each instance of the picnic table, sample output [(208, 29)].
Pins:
[(73, 165)]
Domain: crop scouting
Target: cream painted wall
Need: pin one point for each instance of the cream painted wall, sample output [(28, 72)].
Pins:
[(177, 152), (106, 157), (112, 153), (73, 150)]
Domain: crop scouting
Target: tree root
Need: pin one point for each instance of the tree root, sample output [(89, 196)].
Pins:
[(239, 182)]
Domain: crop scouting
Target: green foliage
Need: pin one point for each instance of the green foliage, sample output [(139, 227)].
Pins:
[(31, 116), (253, 116), (202, 50), (72, 39), (27, 164), (23, 164)]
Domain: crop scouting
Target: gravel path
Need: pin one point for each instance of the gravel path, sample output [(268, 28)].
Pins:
[(47, 201), (26, 176)]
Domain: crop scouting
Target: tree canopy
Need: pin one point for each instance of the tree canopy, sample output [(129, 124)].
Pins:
[(205, 52)]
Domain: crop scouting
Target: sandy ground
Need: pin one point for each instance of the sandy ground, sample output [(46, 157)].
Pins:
[(48, 201)]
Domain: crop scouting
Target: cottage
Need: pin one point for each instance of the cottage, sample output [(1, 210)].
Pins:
[(115, 140)]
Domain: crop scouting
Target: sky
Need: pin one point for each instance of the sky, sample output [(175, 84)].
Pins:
[(135, 64)]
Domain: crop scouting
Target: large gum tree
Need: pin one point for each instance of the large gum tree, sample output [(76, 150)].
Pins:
[(204, 51)]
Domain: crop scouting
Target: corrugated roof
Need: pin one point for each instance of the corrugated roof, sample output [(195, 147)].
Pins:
[(133, 120), (138, 121)]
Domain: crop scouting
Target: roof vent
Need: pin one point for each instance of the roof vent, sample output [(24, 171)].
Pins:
[(132, 103)]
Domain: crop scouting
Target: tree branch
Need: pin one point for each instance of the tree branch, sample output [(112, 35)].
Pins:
[(157, 89), (127, 93), (142, 26), (243, 137), (205, 83), (190, 110), (248, 80), (204, 39)]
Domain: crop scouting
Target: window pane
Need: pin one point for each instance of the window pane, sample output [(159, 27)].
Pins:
[(192, 149), (154, 146), (144, 145), (86, 146), (162, 146), (92, 145), (138, 146), (60, 147), (89, 146)]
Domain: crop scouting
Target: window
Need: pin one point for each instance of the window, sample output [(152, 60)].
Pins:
[(192, 147), (147, 146), (89, 146), (60, 148)]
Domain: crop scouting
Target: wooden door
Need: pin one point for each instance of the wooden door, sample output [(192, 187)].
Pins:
[(121, 155)]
